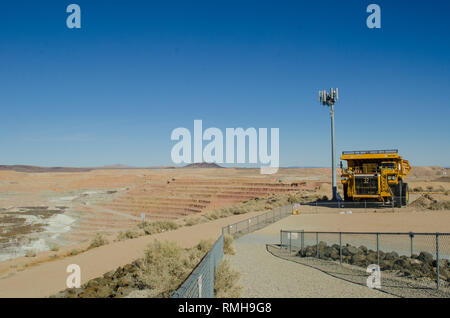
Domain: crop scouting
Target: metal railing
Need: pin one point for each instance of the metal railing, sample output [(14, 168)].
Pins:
[(388, 250), (200, 283), (257, 222)]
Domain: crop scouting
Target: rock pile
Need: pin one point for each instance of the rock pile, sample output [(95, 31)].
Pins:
[(417, 266), (117, 283)]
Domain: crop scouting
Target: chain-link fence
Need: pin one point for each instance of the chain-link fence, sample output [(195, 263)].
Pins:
[(200, 284), (419, 256), (257, 222)]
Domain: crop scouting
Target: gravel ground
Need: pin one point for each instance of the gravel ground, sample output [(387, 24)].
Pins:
[(390, 283), (264, 275)]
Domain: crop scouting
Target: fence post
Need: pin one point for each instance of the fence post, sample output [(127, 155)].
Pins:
[(303, 240), (290, 239), (411, 236), (437, 260), (340, 247), (317, 244), (378, 249), (365, 206)]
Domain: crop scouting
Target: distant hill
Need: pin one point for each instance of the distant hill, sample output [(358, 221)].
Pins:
[(24, 168), (116, 166), (202, 165)]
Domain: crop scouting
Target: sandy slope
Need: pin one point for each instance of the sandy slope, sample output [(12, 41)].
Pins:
[(49, 278)]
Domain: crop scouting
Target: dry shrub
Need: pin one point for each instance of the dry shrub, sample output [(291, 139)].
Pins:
[(166, 265), (74, 252), (228, 247), (54, 248), (98, 241), (445, 205), (193, 221), (30, 253), (127, 235), (226, 281), (157, 227)]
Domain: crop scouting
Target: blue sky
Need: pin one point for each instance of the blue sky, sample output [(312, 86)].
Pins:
[(113, 91)]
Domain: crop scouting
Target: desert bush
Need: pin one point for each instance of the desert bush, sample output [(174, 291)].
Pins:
[(193, 221), (30, 253), (129, 234), (228, 247), (430, 188), (418, 189), (157, 227), (74, 252), (167, 265), (204, 246), (444, 205), (98, 241), (226, 281), (54, 248), (240, 210)]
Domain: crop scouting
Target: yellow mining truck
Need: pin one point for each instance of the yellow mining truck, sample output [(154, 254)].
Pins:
[(375, 175)]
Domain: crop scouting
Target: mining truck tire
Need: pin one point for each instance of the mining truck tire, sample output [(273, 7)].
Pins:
[(405, 194), (398, 194), (346, 197)]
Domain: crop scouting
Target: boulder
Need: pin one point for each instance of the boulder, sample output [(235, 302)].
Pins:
[(349, 250), (386, 265), (358, 259), (108, 275), (443, 263), (363, 249), (335, 246), (334, 254), (401, 264), (322, 245), (426, 257), (372, 257), (391, 256)]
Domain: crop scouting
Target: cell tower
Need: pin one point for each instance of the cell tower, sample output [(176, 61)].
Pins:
[(328, 99)]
